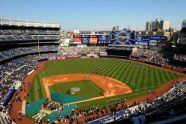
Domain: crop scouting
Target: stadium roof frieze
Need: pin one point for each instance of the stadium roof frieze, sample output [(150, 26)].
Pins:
[(27, 23)]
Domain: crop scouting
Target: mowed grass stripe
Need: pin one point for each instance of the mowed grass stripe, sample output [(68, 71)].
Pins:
[(130, 73), (108, 67), (66, 66), (67, 69), (100, 68), (115, 70), (79, 67), (126, 71), (137, 78), (111, 69), (88, 68), (135, 73), (138, 85), (121, 71), (160, 77)]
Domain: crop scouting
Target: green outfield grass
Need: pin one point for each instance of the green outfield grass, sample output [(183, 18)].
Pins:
[(88, 89), (137, 76)]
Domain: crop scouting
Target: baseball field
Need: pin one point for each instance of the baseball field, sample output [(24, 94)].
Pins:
[(140, 78)]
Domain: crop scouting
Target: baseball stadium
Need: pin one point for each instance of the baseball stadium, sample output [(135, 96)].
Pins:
[(94, 78)]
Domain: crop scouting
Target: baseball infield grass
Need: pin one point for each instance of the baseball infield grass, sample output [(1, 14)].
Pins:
[(138, 77), (88, 89)]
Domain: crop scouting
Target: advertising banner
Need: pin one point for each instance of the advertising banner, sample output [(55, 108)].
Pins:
[(149, 40), (85, 39), (104, 39), (77, 38), (93, 39), (101, 39), (108, 39)]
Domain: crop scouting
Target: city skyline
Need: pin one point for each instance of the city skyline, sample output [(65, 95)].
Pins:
[(97, 14)]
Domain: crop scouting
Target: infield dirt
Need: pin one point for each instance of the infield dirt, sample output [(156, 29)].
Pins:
[(112, 87)]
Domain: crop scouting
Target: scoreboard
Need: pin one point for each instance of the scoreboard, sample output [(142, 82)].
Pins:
[(92, 39), (150, 40), (76, 38), (123, 37), (85, 39), (104, 39)]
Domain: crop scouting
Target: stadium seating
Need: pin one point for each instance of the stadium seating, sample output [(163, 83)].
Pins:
[(5, 119), (150, 56), (26, 35), (74, 50), (7, 54), (15, 70)]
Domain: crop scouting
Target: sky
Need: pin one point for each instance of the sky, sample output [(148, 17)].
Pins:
[(95, 14)]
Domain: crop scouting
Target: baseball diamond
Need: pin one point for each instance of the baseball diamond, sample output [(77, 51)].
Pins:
[(117, 79)]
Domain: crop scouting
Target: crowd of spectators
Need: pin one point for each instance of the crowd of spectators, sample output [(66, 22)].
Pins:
[(15, 70), (175, 95), (150, 56), (4, 118), (50, 105), (28, 37), (180, 57), (80, 50), (28, 31), (28, 34), (6, 54)]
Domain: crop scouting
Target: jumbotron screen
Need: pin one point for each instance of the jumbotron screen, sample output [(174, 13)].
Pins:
[(104, 39), (85, 39), (123, 37), (92, 39), (77, 38)]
